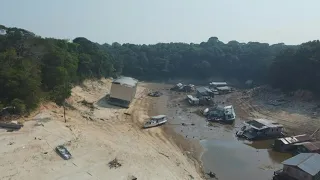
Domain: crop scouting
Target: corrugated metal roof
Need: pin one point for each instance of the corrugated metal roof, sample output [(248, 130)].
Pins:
[(224, 88), (129, 81), (203, 90), (312, 146), (218, 83), (263, 123), (308, 162)]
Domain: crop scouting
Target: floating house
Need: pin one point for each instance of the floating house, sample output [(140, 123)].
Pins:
[(224, 89), (204, 91), (307, 147), (218, 84), (192, 100), (305, 166), (288, 143), (223, 114), (183, 88), (260, 129), (123, 91)]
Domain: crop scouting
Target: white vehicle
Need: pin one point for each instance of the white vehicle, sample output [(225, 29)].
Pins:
[(229, 113), (156, 121), (192, 100)]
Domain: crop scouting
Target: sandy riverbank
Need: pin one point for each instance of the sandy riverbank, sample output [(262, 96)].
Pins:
[(95, 136)]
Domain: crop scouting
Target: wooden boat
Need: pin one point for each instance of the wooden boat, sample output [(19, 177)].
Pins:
[(10, 125), (156, 121), (259, 129)]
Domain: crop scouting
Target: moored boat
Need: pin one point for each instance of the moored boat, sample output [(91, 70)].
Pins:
[(222, 114), (156, 121), (259, 129)]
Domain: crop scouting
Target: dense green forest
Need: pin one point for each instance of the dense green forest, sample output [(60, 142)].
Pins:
[(35, 69)]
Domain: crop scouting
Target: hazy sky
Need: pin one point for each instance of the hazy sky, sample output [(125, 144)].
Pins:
[(153, 21)]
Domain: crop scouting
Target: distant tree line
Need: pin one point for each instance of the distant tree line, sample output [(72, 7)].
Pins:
[(35, 69)]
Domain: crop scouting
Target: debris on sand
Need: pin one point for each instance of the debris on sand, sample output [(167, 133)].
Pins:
[(212, 175), (132, 178), (164, 155), (11, 143), (155, 94), (88, 104), (184, 124), (114, 163), (39, 124)]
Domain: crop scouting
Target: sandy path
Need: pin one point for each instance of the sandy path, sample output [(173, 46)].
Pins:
[(94, 137)]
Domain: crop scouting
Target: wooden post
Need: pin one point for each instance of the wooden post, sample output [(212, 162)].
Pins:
[(64, 112), (64, 102)]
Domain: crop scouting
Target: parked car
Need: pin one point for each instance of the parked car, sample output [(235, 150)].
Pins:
[(63, 152)]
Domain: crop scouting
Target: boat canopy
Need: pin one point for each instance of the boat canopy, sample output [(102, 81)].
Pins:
[(260, 124)]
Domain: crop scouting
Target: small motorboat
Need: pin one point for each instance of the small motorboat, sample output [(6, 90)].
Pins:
[(156, 121)]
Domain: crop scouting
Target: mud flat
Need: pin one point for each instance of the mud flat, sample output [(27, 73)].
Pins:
[(95, 134), (224, 154)]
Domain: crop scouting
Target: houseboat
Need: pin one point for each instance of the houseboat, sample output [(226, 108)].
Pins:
[(287, 144), (305, 166), (204, 92), (192, 100), (259, 129), (224, 89), (217, 84), (229, 113), (307, 147), (223, 114), (183, 88)]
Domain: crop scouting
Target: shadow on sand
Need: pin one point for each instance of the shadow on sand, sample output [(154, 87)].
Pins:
[(103, 102)]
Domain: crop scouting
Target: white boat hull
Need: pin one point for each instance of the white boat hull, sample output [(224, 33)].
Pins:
[(149, 125)]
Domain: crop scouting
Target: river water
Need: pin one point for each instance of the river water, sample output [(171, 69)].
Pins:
[(224, 154)]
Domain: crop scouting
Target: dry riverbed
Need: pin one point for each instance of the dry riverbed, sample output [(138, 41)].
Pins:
[(229, 157), (95, 135)]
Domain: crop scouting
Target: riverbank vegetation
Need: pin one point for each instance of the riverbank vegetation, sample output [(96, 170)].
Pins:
[(34, 69)]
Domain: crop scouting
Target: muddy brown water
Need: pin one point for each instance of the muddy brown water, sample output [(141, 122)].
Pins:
[(224, 154), (227, 156)]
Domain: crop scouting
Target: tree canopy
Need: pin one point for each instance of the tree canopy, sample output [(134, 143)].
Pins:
[(35, 69)]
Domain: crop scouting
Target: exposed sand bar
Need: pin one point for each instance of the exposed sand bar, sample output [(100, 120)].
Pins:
[(94, 137)]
